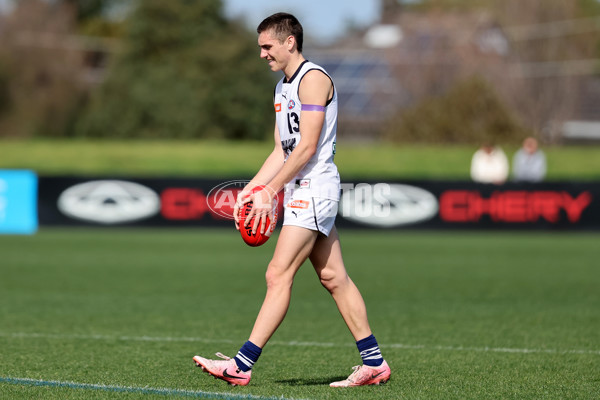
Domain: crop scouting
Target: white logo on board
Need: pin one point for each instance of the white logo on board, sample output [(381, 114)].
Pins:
[(109, 202), (387, 205)]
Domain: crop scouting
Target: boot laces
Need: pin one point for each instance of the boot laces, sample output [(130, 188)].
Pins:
[(356, 371), (223, 356)]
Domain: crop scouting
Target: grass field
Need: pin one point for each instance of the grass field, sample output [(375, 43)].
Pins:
[(118, 314), (242, 159)]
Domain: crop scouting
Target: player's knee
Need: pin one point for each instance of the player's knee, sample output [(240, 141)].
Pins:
[(331, 280), (276, 276)]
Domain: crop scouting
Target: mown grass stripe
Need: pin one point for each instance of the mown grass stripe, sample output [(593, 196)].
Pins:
[(296, 343), (132, 389)]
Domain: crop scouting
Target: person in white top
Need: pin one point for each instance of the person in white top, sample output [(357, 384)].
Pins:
[(302, 164), (489, 165)]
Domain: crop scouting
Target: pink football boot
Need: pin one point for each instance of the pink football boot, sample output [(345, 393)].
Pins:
[(225, 369), (365, 375)]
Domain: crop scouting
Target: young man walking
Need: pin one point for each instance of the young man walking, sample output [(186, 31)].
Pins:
[(302, 164)]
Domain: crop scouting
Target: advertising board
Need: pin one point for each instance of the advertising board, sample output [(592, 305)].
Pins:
[(18, 202), (383, 205)]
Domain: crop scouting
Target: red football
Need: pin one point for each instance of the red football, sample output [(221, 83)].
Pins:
[(256, 239)]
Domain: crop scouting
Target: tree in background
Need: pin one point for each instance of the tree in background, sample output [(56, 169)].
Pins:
[(40, 86), (96, 17), (470, 112), (183, 72), (551, 48), (553, 43)]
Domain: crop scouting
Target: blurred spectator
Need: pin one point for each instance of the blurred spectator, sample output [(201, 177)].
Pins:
[(529, 162), (489, 165)]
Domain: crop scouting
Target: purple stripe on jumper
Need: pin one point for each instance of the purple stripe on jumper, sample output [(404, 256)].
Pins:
[(312, 107)]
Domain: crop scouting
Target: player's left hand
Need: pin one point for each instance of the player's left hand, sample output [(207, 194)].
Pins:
[(262, 207)]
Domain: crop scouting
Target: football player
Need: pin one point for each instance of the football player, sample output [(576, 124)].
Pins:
[(301, 164)]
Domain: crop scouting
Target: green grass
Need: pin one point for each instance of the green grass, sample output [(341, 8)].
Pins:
[(459, 315), (242, 159)]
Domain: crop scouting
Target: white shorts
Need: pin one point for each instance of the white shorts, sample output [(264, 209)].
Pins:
[(316, 214)]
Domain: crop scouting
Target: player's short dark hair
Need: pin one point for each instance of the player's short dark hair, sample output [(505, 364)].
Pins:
[(283, 25)]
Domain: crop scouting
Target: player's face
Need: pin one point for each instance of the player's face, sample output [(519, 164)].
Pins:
[(273, 51)]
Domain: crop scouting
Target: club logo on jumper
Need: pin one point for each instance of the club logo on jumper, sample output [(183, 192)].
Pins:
[(291, 104), (288, 146), (303, 183), (109, 202), (387, 205)]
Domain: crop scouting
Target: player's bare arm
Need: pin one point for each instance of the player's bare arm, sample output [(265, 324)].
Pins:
[(269, 169)]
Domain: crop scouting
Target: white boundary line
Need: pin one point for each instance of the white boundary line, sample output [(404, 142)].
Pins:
[(132, 389), (291, 343)]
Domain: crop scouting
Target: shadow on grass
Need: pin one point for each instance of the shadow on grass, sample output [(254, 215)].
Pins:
[(311, 381)]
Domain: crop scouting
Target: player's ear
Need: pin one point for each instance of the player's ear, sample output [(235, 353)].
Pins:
[(290, 42)]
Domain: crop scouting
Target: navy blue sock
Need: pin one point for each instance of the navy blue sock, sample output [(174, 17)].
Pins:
[(369, 351), (247, 356)]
